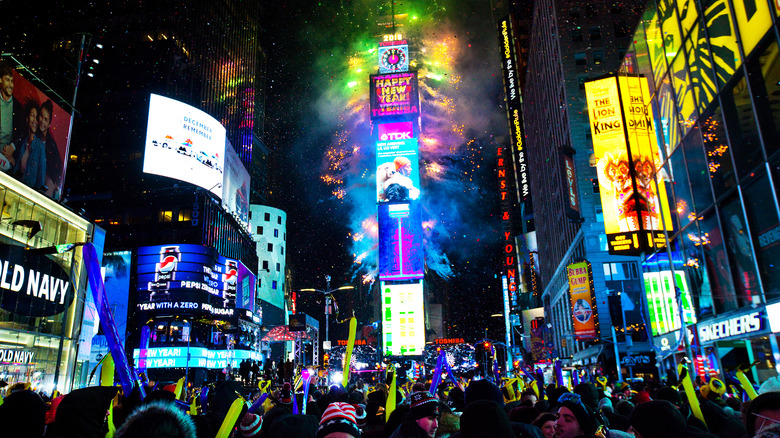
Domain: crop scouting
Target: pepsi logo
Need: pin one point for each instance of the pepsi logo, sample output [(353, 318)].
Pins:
[(168, 264), (231, 276)]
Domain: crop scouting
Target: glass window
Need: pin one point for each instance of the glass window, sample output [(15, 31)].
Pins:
[(698, 173), (259, 230), (655, 45), (281, 248), (185, 215), (754, 20), (643, 56), (273, 284), (594, 32), (683, 210), (700, 67), (688, 13), (695, 272), (667, 109), (276, 232), (278, 267), (576, 33), (764, 75), (279, 220), (686, 105), (740, 252), (580, 59), (742, 129), (716, 144), (267, 217), (711, 242), (270, 247), (670, 28), (723, 39), (765, 227), (165, 216), (598, 57)]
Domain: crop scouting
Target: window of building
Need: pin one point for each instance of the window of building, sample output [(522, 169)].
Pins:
[(273, 284), (265, 265), (281, 249), (581, 61), (250, 214), (764, 75), (581, 81), (599, 214), (259, 230), (278, 267), (270, 247), (185, 214), (595, 32), (598, 57), (276, 232), (279, 220), (576, 34), (595, 185), (259, 282), (267, 217), (165, 216)]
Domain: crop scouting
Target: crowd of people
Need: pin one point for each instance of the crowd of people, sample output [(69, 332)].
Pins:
[(479, 408)]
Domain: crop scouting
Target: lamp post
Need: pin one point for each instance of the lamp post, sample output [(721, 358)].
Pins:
[(328, 293), (187, 365)]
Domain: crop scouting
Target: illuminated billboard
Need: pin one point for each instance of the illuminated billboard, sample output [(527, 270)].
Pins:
[(184, 278), (662, 301), (235, 187), (199, 357), (403, 320), (393, 56), (635, 208), (184, 143), (583, 304), (245, 288), (401, 252), (34, 135), (397, 169), (394, 94)]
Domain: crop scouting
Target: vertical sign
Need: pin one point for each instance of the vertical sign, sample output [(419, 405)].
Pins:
[(626, 151), (509, 260), (583, 306), (514, 103), (572, 195)]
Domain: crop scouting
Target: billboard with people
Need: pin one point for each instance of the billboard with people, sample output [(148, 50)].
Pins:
[(397, 173), (34, 133), (184, 143), (235, 187)]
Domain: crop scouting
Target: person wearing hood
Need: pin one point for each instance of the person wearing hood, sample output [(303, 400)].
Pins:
[(574, 418), (23, 414)]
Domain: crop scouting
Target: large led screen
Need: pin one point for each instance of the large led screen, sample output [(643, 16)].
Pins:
[(667, 296), (184, 143), (245, 288), (583, 306), (394, 94), (397, 169), (199, 357), (635, 208), (34, 134), (235, 187), (191, 279), (403, 319), (401, 253)]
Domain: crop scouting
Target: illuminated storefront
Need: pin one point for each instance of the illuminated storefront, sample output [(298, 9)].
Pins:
[(713, 70), (41, 295)]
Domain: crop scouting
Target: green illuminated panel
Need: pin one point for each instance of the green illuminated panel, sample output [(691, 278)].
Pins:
[(661, 303), (403, 325)]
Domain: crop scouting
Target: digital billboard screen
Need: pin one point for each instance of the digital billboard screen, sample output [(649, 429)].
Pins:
[(397, 168), (663, 302), (235, 187), (245, 288), (394, 94), (403, 319), (34, 134), (183, 278), (583, 306), (635, 208), (184, 143), (401, 253)]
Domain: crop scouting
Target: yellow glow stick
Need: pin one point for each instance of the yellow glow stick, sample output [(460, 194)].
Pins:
[(690, 393), (107, 372), (746, 385), (348, 354), (230, 418), (390, 405)]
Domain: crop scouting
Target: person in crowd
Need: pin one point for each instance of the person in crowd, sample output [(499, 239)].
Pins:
[(23, 413), (422, 419), (574, 418), (615, 420), (485, 418), (661, 419), (10, 113), (762, 412), (158, 419), (338, 421), (546, 423), (54, 162)]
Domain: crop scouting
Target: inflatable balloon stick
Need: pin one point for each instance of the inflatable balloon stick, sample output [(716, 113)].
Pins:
[(348, 354), (230, 419), (390, 406), (107, 372), (743, 380), (690, 393)]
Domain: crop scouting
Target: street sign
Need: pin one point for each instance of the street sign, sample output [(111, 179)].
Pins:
[(326, 345)]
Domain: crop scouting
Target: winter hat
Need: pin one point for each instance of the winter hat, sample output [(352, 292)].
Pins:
[(589, 394), (605, 405), (338, 417), (771, 385), (483, 390), (285, 395), (485, 418), (250, 425), (585, 417), (360, 415), (423, 405), (641, 397), (768, 401), (657, 419)]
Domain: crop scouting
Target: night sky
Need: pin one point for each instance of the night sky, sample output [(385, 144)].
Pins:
[(323, 159)]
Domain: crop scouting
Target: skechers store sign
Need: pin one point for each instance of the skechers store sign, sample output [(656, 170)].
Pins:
[(187, 279), (32, 284), (731, 327), (176, 357)]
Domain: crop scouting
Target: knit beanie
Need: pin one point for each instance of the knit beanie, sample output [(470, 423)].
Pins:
[(588, 393), (338, 417), (657, 419), (285, 395), (585, 418), (423, 405), (360, 415), (250, 425), (641, 397), (772, 384)]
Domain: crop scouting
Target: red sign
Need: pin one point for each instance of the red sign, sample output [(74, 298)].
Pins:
[(449, 341), (343, 343)]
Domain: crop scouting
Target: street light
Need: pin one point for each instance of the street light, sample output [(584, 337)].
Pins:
[(328, 293)]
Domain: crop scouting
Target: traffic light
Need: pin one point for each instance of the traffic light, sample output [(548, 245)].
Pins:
[(487, 345), (325, 360)]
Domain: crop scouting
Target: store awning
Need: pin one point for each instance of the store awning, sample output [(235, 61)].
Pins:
[(282, 333)]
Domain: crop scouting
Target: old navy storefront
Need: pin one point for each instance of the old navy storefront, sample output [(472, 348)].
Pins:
[(41, 290)]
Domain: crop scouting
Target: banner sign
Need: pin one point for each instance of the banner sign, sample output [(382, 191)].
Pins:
[(636, 209), (583, 305), (394, 94), (32, 284), (572, 194), (176, 357)]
